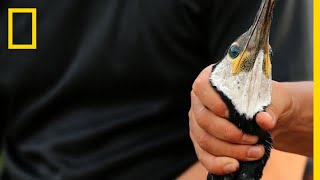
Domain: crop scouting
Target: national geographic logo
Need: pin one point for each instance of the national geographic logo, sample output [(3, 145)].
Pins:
[(22, 11)]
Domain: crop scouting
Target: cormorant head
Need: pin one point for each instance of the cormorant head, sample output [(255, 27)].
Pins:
[(244, 75)]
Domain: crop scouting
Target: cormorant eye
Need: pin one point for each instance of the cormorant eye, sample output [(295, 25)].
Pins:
[(271, 52), (234, 51)]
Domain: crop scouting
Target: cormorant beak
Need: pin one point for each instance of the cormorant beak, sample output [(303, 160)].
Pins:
[(259, 31)]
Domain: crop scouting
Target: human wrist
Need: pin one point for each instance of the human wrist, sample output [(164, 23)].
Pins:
[(293, 130)]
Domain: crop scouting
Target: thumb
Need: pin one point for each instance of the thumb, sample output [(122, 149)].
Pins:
[(281, 104)]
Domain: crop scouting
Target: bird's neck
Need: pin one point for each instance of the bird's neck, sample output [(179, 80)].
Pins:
[(249, 92)]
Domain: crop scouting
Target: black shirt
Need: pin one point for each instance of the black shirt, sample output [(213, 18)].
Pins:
[(106, 93)]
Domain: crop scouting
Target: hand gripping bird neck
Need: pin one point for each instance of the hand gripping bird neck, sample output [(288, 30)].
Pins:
[(243, 80)]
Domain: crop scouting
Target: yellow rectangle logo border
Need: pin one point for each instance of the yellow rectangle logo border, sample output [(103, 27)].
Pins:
[(33, 12)]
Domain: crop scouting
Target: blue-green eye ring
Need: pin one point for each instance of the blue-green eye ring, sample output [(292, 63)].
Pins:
[(234, 51)]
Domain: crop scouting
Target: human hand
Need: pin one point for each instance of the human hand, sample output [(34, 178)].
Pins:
[(218, 143)]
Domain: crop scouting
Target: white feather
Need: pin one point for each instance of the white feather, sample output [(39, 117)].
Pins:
[(249, 91)]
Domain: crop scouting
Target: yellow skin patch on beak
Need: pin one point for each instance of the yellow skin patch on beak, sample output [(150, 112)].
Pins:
[(236, 63), (267, 65)]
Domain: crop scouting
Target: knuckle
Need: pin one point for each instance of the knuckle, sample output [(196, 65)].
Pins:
[(190, 114), (200, 156), (203, 141), (190, 135), (200, 118), (191, 94), (191, 131), (197, 85)]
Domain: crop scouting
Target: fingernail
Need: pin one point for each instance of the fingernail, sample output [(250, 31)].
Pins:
[(255, 152), (229, 168), (248, 139)]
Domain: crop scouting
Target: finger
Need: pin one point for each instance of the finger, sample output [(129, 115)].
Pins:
[(265, 121), (279, 106), (207, 95), (280, 102), (218, 147), (215, 165), (217, 126)]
